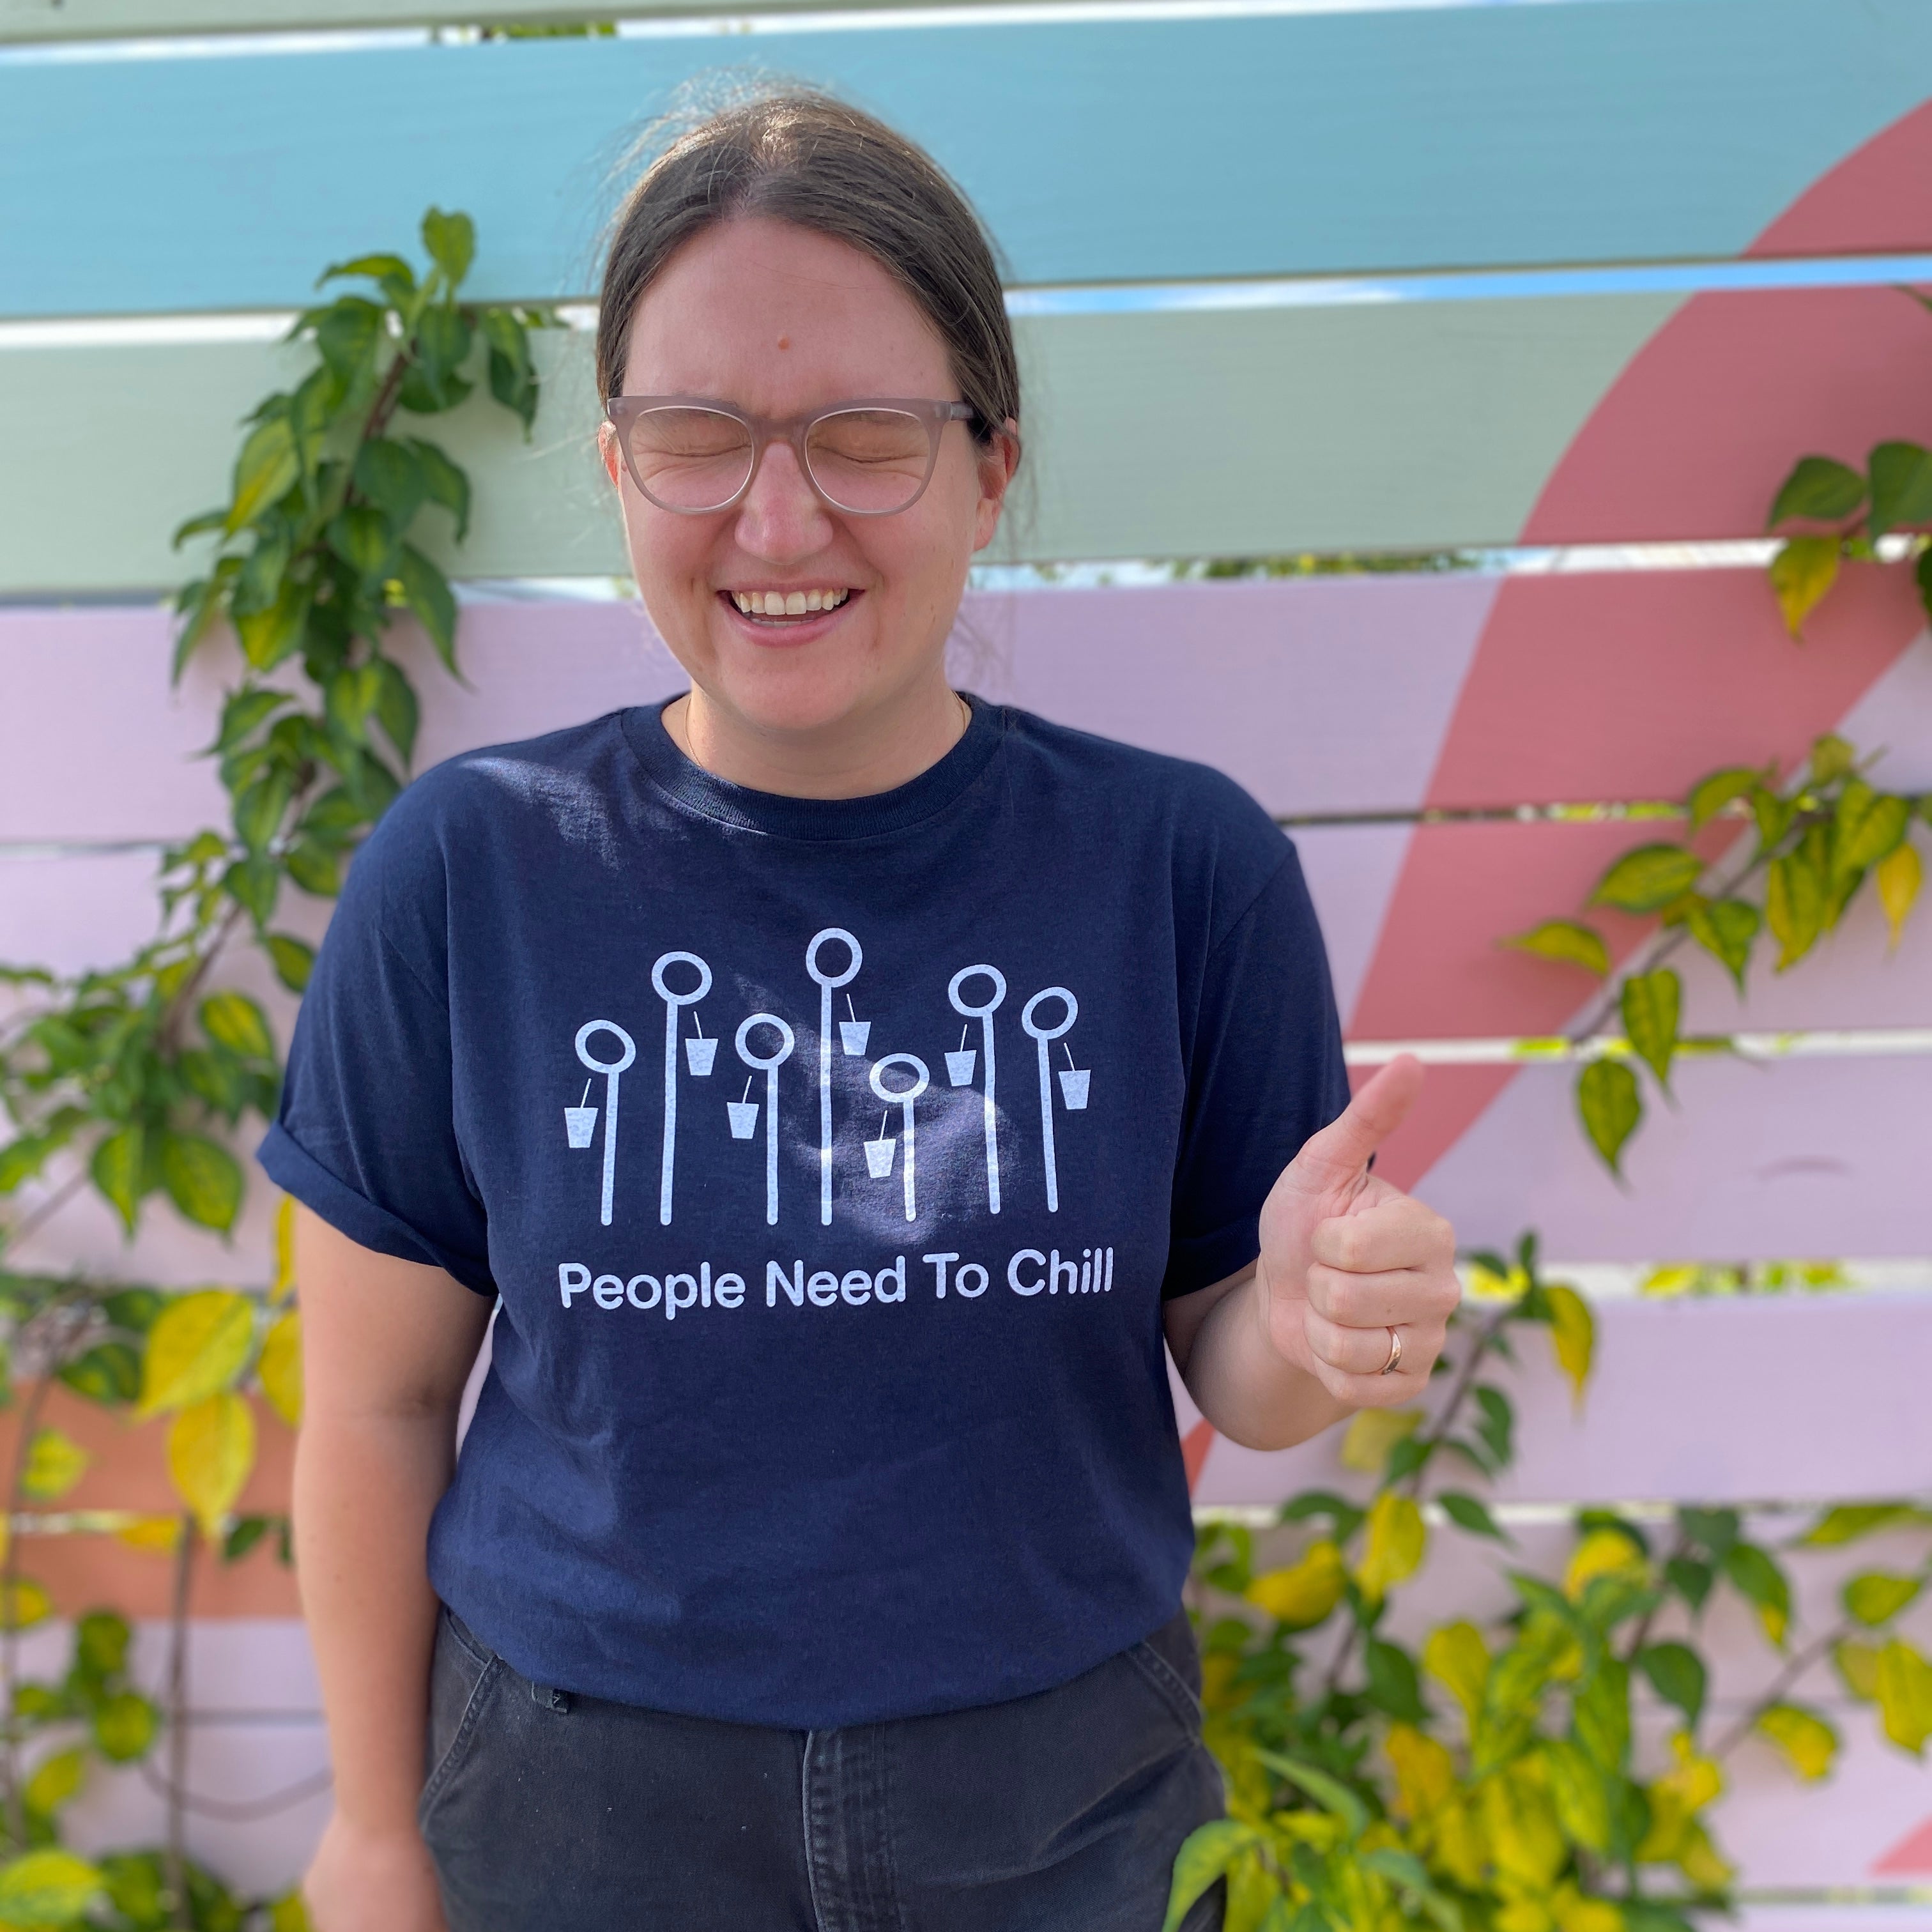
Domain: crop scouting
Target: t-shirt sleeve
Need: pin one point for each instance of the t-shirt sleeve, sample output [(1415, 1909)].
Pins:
[(365, 1134), (1264, 1072)]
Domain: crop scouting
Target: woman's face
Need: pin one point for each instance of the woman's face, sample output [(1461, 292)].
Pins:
[(780, 320)]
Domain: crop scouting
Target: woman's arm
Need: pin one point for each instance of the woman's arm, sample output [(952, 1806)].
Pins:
[(1297, 1340), (387, 1347)]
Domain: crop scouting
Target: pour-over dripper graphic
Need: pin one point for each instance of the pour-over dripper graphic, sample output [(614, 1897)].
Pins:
[(769, 1064), (903, 1097), (828, 983), (1043, 1036), (672, 1001), (611, 1069), (984, 1015)]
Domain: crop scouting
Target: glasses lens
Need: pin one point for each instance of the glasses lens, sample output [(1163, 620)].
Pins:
[(689, 459), (870, 460)]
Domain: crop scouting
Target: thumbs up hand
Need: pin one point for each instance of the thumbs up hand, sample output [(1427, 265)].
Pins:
[(1358, 1280)]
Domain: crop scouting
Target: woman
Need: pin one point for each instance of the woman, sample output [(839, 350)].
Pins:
[(815, 1554)]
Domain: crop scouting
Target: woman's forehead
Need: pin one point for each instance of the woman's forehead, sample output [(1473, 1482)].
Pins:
[(769, 315)]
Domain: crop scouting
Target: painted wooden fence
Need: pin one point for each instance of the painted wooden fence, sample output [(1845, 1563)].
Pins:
[(1588, 273)]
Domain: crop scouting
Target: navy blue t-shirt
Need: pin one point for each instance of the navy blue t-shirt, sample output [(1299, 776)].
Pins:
[(831, 1160)]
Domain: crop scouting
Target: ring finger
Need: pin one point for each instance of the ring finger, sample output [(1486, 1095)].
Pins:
[(1364, 1351)]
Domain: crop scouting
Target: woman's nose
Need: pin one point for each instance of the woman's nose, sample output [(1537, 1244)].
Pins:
[(780, 517)]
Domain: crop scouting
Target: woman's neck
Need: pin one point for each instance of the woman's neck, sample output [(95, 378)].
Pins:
[(855, 759)]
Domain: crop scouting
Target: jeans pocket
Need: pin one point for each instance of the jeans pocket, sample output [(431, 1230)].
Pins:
[(1172, 1685), (463, 1674)]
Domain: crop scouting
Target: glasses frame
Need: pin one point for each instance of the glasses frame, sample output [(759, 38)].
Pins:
[(623, 411)]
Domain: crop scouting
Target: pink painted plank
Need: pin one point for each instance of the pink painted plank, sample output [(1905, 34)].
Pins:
[(1695, 437), (1327, 696)]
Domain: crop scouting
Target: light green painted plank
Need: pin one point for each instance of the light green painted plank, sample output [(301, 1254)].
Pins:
[(1409, 427)]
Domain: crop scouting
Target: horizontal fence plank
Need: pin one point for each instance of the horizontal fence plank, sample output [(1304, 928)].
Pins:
[(1272, 428), (1294, 142)]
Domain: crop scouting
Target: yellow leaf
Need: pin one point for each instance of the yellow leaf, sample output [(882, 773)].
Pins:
[(1806, 1739), (1802, 572), (56, 1781), (1695, 1780), (1525, 1840), (1858, 1665), (1573, 1333), (1679, 1278), (1461, 1849), (1603, 1552), (1301, 1596), (158, 1534), (26, 1605), (1374, 1433), (1218, 1670), (289, 1914), (1486, 1284), (1396, 1542), (1457, 1657), (55, 1463), (47, 1887), (1425, 1773), (1697, 1859), (1899, 876), (280, 1368), (1904, 1688), (1576, 1913), (283, 1284), (211, 1451), (198, 1345)]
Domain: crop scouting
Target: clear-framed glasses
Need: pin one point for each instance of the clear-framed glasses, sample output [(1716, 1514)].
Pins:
[(694, 455)]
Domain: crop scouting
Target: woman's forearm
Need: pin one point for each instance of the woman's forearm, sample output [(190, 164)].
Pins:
[(365, 1485)]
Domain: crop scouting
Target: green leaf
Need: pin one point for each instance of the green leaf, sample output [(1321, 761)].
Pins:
[(255, 884), (395, 706), (1578, 1789), (203, 1178), (259, 810), (1832, 757), (1651, 1004), (236, 1022), (100, 1639), (1204, 1856), (268, 636), (1803, 570), (109, 1373), (1677, 1675), (1774, 815), (314, 868), (1726, 929), (346, 333), (1820, 490), (429, 596), (1600, 1714), (1610, 1106), (267, 469), (1466, 1512), (48, 1887), (446, 484), (55, 1463), (1392, 1683), (198, 526), (21, 1159), (1901, 488), (1898, 878), (362, 537), (125, 1726), (1496, 1424), (293, 960), (1868, 826), (56, 1782), (389, 475), (118, 1169), (244, 713), (450, 240), (1709, 795), (1690, 1579), (1877, 1596), (1566, 940), (248, 1531), (1333, 1796), (1794, 906), (1845, 1523), (397, 278), (1756, 1575), (1903, 1688), (513, 382), (1648, 878)]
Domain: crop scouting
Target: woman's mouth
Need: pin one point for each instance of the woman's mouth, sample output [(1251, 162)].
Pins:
[(787, 606)]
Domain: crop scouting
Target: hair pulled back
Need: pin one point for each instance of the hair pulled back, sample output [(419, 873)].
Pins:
[(804, 157)]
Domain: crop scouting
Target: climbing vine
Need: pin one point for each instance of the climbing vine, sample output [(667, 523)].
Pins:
[(128, 1080), (1496, 1774)]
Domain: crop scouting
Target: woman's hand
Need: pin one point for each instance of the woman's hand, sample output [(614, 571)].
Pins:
[(364, 1881), (1353, 1271)]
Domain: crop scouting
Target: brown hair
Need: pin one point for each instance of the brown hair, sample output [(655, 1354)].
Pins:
[(801, 156)]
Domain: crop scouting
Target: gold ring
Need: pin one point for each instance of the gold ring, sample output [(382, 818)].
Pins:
[(1394, 1362)]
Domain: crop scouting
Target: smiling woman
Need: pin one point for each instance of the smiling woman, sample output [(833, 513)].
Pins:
[(855, 1604)]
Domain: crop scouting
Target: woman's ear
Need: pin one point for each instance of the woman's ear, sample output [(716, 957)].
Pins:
[(606, 448), (998, 462)]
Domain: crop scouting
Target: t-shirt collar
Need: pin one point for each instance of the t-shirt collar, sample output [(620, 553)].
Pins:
[(775, 813)]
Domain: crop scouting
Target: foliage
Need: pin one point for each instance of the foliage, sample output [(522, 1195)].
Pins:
[(128, 1080), (1497, 1776), (1817, 841)]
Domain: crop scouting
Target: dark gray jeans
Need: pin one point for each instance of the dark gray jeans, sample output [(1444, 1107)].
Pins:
[(550, 1812)]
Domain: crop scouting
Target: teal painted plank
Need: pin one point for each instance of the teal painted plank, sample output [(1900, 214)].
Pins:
[(1117, 148), (28, 21), (1398, 428)]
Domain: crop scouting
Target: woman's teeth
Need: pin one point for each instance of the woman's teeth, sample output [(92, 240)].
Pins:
[(787, 603)]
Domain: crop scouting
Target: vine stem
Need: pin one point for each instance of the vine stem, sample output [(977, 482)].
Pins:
[(48, 1208), (1795, 1667), (177, 1710)]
